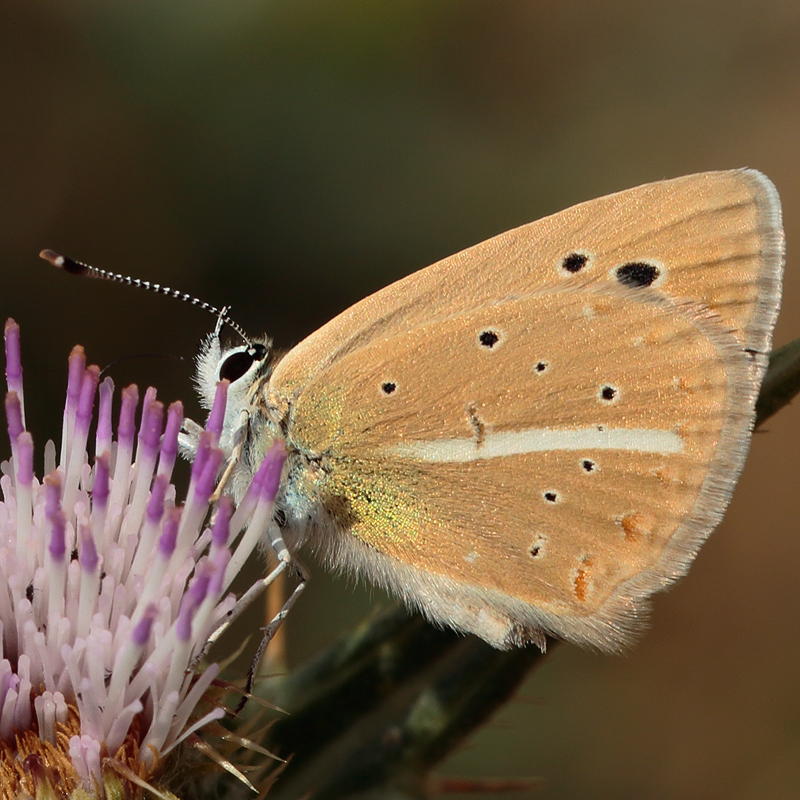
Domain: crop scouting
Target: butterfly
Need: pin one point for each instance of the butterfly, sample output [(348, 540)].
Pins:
[(534, 435)]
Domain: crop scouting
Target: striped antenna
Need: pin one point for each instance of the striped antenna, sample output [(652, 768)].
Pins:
[(82, 270)]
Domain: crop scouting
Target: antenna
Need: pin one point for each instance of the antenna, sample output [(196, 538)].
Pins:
[(85, 271)]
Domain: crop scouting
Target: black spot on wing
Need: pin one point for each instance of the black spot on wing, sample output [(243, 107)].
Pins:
[(574, 262), (637, 274), (488, 339), (608, 393)]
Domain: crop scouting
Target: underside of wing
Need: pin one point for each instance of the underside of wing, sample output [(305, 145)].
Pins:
[(713, 239), (541, 464), (538, 433)]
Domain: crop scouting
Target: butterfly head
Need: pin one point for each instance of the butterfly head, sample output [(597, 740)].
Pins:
[(246, 367), (247, 426)]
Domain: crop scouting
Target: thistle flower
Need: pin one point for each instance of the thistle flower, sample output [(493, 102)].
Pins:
[(110, 590)]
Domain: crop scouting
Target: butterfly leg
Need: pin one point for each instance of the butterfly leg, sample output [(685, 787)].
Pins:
[(285, 559), (189, 437), (239, 437), (244, 603)]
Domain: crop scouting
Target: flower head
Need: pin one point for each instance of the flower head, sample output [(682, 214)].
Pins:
[(110, 590)]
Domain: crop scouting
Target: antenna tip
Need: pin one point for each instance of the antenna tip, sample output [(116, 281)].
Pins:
[(51, 256), (63, 262)]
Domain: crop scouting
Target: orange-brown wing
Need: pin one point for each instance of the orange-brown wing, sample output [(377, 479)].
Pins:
[(544, 451), (717, 237)]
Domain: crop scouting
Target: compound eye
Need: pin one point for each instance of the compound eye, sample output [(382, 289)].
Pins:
[(237, 364)]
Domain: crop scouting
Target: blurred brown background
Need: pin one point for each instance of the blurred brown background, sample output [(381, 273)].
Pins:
[(289, 157)]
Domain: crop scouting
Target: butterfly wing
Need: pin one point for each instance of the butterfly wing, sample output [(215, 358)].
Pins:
[(720, 233), (536, 434)]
